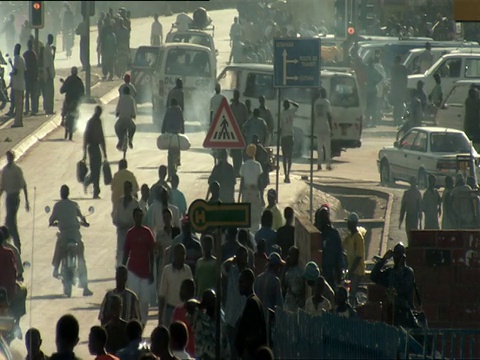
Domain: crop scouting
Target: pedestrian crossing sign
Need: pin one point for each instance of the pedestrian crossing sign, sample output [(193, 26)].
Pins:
[(224, 132)]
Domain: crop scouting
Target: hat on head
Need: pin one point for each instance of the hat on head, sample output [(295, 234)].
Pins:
[(353, 217), (275, 259), (311, 271)]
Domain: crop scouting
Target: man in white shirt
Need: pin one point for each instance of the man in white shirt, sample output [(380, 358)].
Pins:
[(250, 172), (154, 217), (67, 213), (169, 286), (123, 217), (425, 60), (215, 102), (323, 129), (126, 113), (286, 133), (18, 85), (49, 74), (156, 34)]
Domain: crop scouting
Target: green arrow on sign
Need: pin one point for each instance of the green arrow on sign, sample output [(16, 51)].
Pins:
[(203, 215)]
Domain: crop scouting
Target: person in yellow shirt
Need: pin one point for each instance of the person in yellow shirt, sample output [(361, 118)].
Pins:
[(273, 207), (118, 182), (354, 245)]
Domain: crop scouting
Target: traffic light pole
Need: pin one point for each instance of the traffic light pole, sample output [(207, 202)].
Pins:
[(86, 18), (37, 46)]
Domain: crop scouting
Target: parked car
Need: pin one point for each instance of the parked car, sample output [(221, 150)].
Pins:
[(426, 150)]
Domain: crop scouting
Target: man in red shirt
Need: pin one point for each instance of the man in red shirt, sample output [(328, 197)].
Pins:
[(138, 257)]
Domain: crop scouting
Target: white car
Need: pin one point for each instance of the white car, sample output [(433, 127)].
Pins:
[(427, 150)]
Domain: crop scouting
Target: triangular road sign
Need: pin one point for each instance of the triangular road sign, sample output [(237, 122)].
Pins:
[(224, 132)]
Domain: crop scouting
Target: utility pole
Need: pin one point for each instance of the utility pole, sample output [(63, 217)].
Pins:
[(86, 18)]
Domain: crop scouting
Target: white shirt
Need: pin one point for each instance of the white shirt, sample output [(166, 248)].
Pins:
[(154, 216), (171, 281), (18, 79), (250, 171), (157, 30), (286, 121), (48, 64), (235, 32), (321, 108), (215, 102), (126, 107), (123, 216), (12, 180)]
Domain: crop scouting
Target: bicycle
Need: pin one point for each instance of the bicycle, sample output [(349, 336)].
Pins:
[(125, 144)]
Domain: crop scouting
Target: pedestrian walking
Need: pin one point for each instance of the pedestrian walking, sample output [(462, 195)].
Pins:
[(94, 141), (12, 182), (224, 173), (432, 204), (293, 283), (118, 181), (333, 264), (215, 102), (250, 173), (448, 219), (74, 91), (323, 129), (354, 245), (122, 217), (108, 45), (286, 134), (49, 74), (266, 115), (241, 114), (178, 198), (138, 256), (471, 123), (373, 78), (156, 33), (398, 89), (286, 233), (380, 87), (268, 286), (177, 94), (411, 208), (18, 85), (463, 204), (68, 30), (33, 343), (31, 80), (169, 285), (235, 38), (255, 126)]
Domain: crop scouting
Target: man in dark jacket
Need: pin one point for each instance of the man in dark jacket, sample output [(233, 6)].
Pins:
[(224, 174), (333, 264), (173, 123), (74, 91), (31, 79)]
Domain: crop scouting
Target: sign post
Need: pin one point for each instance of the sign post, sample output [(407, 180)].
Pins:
[(297, 65), (203, 216)]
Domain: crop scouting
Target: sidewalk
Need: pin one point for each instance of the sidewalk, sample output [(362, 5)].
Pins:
[(37, 127)]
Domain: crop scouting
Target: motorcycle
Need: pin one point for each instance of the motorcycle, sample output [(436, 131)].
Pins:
[(69, 262)]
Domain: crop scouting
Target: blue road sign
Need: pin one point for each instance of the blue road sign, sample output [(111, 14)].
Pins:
[(296, 62)]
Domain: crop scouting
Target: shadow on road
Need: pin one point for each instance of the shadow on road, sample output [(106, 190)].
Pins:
[(47, 297), (100, 280)]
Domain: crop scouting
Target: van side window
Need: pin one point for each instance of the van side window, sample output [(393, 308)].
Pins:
[(451, 68), (472, 68), (343, 91), (229, 80), (259, 84)]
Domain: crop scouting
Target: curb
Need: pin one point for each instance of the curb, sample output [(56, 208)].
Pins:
[(39, 134)]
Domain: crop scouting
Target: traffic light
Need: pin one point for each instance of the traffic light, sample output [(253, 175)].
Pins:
[(351, 31), (91, 8), (37, 12), (341, 19)]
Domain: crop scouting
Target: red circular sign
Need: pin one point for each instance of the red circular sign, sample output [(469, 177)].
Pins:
[(36, 5), (351, 30)]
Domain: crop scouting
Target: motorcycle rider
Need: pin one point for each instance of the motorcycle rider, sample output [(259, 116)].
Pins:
[(67, 213), (126, 113), (173, 123), (127, 82), (74, 91)]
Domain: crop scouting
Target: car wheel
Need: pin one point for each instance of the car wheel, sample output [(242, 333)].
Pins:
[(385, 173), (422, 179)]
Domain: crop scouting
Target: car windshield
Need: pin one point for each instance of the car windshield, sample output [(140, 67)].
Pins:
[(188, 62), (444, 142), (145, 57)]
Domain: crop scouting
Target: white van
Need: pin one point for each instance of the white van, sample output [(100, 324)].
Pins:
[(451, 67), (254, 80), (452, 112), (195, 65)]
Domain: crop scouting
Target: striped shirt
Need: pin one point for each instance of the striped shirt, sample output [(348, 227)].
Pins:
[(130, 306)]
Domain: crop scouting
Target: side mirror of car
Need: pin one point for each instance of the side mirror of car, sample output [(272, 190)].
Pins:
[(395, 144)]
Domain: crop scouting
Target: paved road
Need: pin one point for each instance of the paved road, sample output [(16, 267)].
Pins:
[(51, 163)]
